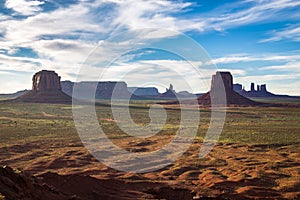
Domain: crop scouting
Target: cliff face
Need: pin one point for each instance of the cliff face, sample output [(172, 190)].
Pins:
[(222, 80), (46, 88), (45, 81)]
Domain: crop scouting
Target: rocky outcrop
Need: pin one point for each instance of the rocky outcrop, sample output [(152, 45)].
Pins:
[(46, 88), (169, 94), (222, 83), (15, 184), (152, 92), (172, 94)]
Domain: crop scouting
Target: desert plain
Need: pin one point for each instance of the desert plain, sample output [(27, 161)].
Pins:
[(256, 156)]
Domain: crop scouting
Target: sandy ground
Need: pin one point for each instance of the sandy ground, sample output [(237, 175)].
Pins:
[(230, 171)]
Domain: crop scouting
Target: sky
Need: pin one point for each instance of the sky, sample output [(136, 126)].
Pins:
[(152, 43)]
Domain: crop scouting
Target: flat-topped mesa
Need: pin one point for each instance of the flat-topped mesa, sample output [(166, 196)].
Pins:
[(45, 80)]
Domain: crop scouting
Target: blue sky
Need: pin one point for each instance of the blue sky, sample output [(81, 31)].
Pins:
[(257, 40)]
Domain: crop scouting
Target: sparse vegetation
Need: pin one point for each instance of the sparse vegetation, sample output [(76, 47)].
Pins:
[(254, 125), (257, 152)]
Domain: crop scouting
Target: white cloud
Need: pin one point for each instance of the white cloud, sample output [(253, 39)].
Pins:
[(71, 21), (286, 88), (248, 58), (265, 78), (24, 7), (63, 38), (148, 14), (158, 14), (292, 32), (6, 73), (292, 67), (258, 11)]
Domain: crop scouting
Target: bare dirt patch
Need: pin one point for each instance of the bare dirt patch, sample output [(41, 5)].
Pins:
[(231, 171)]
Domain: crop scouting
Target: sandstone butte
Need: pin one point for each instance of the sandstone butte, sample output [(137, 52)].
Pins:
[(46, 88), (221, 90)]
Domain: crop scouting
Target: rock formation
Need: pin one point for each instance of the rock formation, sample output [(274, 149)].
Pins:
[(237, 87), (45, 81), (252, 87), (15, 184), (144, 91), (169, 94), (18, 185), (222, 80), (261, 91), (46, 88), (99, 90), (172, 94), (222, 87)]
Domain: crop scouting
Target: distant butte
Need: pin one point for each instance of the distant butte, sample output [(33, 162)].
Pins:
[(222, 82), (46, 88)]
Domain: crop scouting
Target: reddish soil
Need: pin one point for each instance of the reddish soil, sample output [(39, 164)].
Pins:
[(231, 171)]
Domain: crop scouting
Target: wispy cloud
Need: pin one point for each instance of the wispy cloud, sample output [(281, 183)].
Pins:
[(63, 38), (255, 12), (248, 58), (292, 32), (292, 67)]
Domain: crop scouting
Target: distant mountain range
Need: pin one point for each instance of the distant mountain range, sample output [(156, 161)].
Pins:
[(13, 95), (104, 90), (109, 89)]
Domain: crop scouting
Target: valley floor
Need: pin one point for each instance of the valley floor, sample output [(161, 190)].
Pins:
[(257, 156)]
